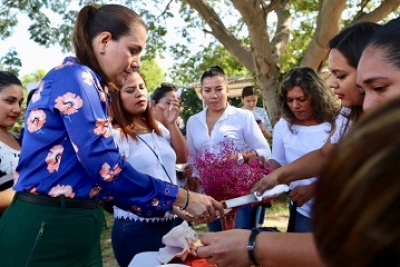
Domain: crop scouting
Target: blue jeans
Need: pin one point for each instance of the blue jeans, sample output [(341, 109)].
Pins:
[(303, 224), (130, 237), (243, 220), (259, 215)]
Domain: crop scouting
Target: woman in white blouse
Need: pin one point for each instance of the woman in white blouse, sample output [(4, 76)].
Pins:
[(151, 148), (11, 98), (308, 111), (220, 122)]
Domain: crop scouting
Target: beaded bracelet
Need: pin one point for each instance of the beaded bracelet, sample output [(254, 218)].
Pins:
[(187, 200)]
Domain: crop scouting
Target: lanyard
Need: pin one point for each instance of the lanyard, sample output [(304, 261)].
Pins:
[(155, 154)]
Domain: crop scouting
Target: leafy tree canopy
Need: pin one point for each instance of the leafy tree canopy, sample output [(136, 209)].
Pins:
[(266, 37)]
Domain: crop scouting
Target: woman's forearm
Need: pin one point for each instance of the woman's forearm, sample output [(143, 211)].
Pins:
[(267, 134), (178, 143), (6, 198), (287, 250)]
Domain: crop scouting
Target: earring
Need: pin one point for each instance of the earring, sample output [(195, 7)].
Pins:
[(103, 50)]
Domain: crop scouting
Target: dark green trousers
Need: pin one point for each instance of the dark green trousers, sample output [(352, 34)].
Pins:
[(33, 235)]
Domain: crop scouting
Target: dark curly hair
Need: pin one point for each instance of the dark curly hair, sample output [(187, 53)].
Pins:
[(325, 108)]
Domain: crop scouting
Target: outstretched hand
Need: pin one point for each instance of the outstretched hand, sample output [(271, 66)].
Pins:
[(303, 193), (265, 183), (269, 181), (203, 208), (226, 248)]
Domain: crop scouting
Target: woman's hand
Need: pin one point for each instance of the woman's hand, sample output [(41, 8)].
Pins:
[(226, 248), (193, 184), (303, 193), (265, 183), (267, 134), (269, 181), (187, 171), (170, 110), (202, 208), (182, 214)]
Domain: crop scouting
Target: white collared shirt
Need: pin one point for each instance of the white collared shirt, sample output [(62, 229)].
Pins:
[(235, 124)]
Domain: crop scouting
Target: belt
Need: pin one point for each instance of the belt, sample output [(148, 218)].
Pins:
[(60, 201)]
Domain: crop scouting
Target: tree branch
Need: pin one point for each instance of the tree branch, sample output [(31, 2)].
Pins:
[(378, 13), (283, 29), (165, 9), (237, 48)]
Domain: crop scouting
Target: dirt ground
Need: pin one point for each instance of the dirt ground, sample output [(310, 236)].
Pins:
[(276, 219)]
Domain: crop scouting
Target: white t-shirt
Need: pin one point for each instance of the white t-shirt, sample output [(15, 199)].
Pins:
[(288, 146), (143, 159), (261, 114)]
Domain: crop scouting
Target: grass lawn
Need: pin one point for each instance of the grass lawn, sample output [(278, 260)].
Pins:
[(276, 216)]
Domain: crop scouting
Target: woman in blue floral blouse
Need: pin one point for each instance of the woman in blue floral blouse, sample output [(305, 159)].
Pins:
[(69, 163)]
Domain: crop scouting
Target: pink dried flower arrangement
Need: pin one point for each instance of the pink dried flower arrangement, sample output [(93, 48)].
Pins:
[(222, 177)]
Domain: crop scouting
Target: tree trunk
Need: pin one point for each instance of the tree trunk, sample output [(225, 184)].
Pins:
[(265, 56), (328, 25)]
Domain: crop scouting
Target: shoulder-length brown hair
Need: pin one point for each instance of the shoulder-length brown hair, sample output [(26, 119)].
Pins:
[(123, 120), (325, 108)]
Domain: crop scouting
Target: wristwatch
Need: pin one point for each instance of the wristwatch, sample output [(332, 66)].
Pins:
[(240, 159), (250, 246)]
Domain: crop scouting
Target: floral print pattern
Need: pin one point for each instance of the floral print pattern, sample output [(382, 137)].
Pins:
[(94, 191), (69, 103), (109, 174), (73, 155), (36, 95), (155, 202), (36, 120), (53, 159), (103, 127), (87, 78), (62, 190)]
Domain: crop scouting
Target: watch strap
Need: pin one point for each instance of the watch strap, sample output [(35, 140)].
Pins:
[(251, 245)]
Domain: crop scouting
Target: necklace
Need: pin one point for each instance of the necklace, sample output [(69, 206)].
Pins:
[(140, 128), (9, 136)]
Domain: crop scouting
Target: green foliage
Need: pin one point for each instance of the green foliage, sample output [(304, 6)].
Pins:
[(191, 104), (177, 21), (153, 73), (10, 62), (35, 76), (190, 71), (306, 6)]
